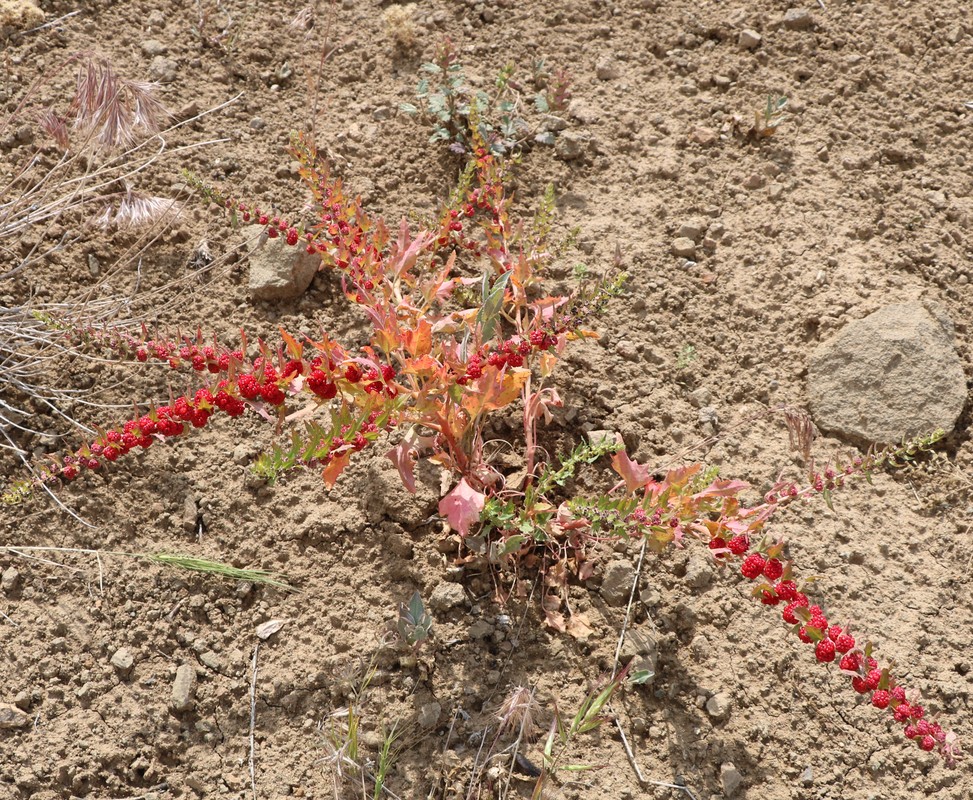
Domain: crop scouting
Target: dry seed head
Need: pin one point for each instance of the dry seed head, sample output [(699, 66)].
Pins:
[(516, 713), (109, 111), (134, 209)]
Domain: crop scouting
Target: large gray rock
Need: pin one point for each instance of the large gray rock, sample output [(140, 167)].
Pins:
[(892, 375), (277, 270)]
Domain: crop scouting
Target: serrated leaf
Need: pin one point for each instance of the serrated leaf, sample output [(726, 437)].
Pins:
[(408, 108), (546, 138)]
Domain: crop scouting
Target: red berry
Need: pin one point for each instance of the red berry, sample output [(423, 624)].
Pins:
[(902, 712), (898, 693), (788, 613), (873, 678), (928, 743), (773, 569), (769, 598), (860, 685), (824, 651), (881, 699), (353, 373), (849, 661), (911, 731), (739, 545), (844, 643), (292, 236), (834, 632), (786, 590), (753, 565)]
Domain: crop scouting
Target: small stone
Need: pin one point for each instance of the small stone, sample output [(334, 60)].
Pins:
[(701, 397), (257, 124), (731, 778), (755, 181), (9, 580), (446, 596), (807, 777), (184, 688), (749, 39), (571, 145), (163, 69), (12, 717), (190, 514), (617, 582), (684, 247), (937, 200), (699, 572), (606, 69), (94, 265), (153, 47), (211, 660), (798, 19), (429, 714), (122, 660), (704, 136), (719, 705), (691, 230), (597, 437), (277, 270), (480, 629)]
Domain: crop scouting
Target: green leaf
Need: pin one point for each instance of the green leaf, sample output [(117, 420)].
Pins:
[(408, 108), (491, 303), (541, 104)]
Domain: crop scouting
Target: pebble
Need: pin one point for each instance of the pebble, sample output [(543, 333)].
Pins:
[(597, 437), (12, 717), (122, 660), (699, 572), (719, 705), (184, 687), (749, 39), (797, 19), (480, 629), (617, 582), (211, 660), (429, 714), (691, 230), (163, 69), (684, 247), (9, 580), (731, 778), (701, 397), (571, 145), (446, 596), (606, 69), (153, 47)]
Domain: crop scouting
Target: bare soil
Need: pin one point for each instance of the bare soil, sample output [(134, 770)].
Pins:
[(861, 198)]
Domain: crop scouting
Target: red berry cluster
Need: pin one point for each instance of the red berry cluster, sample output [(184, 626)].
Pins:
[(830, 641), (510, 353)]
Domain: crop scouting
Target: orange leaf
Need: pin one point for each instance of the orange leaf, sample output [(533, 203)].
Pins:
[(495, 389), (419, 341), (334, 469)]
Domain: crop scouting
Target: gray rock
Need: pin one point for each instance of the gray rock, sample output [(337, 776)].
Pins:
[(153, 47), (606, 69), (190, 514), (889, 376), (684, 247), (9, 579), (12, 717), (210, 659), (429, 714), (691, 230), (122, 660), (719, 705), (807, 777), (446, 596), (571, 145), (699, 572), (184, 688), (731, 779), (798, 19), (749, 39), (597, 437), (617, 583), (163, 69), (277, 270)]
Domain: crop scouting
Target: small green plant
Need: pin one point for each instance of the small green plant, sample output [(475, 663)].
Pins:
[(767, 119), (461, 114), (415, 623)]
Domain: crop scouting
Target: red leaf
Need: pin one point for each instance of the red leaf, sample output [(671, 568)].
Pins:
[(404, 456), (722, 488), (635, 475), (462, 507)]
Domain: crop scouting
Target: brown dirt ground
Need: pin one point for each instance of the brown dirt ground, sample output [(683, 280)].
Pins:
[(862, 198)]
